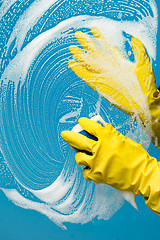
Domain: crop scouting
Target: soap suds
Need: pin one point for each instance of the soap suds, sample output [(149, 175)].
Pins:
[(41, 97)]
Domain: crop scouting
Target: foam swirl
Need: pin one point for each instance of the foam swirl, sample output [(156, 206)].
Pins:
[(40, 97)]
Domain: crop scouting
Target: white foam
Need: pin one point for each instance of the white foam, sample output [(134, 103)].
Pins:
[(100, 200), (28, 20), (5, 7)]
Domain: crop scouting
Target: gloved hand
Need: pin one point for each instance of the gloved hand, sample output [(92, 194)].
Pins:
[(117, 161), (129, 86)]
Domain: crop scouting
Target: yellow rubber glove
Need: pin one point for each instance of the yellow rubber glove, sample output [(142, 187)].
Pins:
[(117, 161), (147, 83), (129, 86)]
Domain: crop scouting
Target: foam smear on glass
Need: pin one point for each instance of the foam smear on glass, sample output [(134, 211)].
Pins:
[(41, 97)]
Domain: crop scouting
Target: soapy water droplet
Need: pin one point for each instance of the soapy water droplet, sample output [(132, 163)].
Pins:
[(41, 97)]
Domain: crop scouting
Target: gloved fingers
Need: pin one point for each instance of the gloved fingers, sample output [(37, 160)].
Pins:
[(138, 50), (95, 81), (78, 140), (86, 173), (94, 128), (109, 127), (116, 98), (89, 175), (144, 68), (86, 60), (88, 44), (83, 158), (90, 126), (102, 85), (84, 74), (113, 132), (108, 46)]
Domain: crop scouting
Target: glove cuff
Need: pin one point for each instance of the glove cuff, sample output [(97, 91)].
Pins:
[(154, 106), (150, 185)]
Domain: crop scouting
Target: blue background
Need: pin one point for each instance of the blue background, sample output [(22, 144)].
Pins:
[(17, 223)]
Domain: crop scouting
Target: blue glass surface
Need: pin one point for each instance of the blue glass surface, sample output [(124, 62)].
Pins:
[(33, 118)]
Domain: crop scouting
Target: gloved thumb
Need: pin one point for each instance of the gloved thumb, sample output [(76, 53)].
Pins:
[(138, 50)]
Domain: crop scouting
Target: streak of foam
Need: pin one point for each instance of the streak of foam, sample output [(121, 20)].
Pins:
[(59, 209), (72, 114), (28, 20), (41, 96), (6, 6)]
